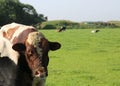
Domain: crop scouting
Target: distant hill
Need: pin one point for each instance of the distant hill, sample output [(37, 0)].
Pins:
[(117, 23), (56, 24)]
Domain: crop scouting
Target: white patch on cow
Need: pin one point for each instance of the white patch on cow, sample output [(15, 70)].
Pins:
[(14, 25), (34, 39), (6, 50), (1, 33), (8, 26)]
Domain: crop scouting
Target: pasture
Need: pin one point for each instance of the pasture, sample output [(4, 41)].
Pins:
[(85, 58)]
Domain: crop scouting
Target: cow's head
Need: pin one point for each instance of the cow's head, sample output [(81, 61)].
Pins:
[(36, 49)]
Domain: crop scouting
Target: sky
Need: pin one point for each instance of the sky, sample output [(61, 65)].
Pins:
[(77, 10)]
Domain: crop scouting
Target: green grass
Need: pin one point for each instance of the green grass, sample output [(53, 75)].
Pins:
[(85, 59)]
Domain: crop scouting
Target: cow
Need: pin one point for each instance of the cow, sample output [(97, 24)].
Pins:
[(33, 48), (95, 31), (63, 28)]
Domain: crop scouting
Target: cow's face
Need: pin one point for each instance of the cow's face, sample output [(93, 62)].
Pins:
[(36, 49)]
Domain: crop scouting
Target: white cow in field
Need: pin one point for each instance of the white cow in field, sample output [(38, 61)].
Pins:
[(95, 31)]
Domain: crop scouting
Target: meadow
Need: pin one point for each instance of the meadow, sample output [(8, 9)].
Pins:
[(85, 59)]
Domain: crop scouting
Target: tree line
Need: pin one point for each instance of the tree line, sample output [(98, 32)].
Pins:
[(15, 11), (56, 24)]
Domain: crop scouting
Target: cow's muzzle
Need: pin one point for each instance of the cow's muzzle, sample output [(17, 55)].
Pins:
[(40, 72)]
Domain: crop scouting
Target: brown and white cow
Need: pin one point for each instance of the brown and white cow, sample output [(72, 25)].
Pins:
[(32, 45)]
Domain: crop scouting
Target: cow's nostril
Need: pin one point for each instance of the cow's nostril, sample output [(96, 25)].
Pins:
[(37, 72), (40, 72)]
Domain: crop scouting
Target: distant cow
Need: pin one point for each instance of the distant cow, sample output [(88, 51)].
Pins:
[(63, 28), (95, 31), (32, 46)]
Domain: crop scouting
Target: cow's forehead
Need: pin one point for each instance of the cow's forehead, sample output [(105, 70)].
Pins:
[(34, 38)]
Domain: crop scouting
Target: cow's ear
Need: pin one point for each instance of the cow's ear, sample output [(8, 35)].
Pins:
[(54, 45), (19, 47)]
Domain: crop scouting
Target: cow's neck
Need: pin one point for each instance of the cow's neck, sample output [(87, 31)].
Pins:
[(24, 74)]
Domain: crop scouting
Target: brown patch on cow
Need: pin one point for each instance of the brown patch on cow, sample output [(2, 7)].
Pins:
[(22, 36), (10, 33)]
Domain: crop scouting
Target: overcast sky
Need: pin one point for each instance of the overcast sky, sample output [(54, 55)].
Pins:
[(77, 10)]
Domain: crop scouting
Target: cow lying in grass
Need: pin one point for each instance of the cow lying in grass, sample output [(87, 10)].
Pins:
[(33, 49), (63, 28), (95, 31)]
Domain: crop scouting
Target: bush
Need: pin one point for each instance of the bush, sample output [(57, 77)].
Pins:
[(49, 26)]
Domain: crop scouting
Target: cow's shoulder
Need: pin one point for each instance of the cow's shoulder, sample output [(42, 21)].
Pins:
[(16, 32)]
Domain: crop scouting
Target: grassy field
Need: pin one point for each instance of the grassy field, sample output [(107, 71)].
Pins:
[(85, 59)]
